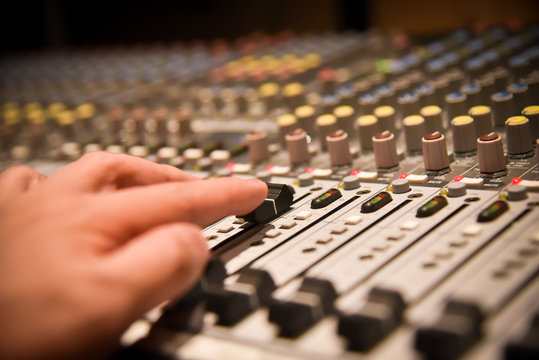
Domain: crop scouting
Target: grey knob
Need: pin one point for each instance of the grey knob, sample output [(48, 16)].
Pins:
[(456, 189), (464, 136), (350, 182), (296, 143), (400, 186), (490, 153), (339, 148), (435, 151), (518, 135), (385, 150), (257, 141), (516, 193), (305, 179)]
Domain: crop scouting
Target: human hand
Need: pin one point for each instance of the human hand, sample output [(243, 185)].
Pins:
[(90, 249)]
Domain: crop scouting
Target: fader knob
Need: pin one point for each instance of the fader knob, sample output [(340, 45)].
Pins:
[(296, 143), (435, 151), (257, 141), (490, 153), (385, 150), (339, 148), (464, 136), (414, 130), (517, 130)]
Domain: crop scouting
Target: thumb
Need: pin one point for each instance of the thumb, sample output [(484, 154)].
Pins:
[(160, 264)]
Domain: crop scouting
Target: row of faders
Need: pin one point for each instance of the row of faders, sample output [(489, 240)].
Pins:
[(401, 218)]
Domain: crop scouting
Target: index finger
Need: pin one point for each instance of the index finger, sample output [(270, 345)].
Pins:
[(100, 170), (200, 202)]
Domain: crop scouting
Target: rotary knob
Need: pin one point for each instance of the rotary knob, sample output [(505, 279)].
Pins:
[(339, 148), (385, 150), (414, 130), (490, 153), (257, 142), (464, 136), (296, 143), (435, 152), (518, 132)]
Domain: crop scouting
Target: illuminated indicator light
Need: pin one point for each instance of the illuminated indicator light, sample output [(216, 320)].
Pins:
[(269, 167), (516, 181), (376, 202), (325, 199), (230, 166), (403, 176), (310, 170), (493, 211), (432, 207), (458, 178), (354, 172)]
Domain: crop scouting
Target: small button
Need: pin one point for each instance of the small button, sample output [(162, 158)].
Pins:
[(239, 168), (322, 173), (287, 224), (303, 215), (395, 236), (367, 175), (376, 202), (225, 229), (323, 240), (325, 199), (353, 220), (417, 179), (473, 182), (471, 230), (272, 233), (493, 211), (409, 225), (239, 221), (432, 207), (338, 229), (279, 170), (530, 184)]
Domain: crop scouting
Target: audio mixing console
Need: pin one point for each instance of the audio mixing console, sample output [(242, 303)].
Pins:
[(402, 216)]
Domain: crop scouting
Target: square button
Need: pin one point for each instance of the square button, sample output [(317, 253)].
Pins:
[(324, 240), (303, 215), (225, 229), (287, 224), (353, 220), (471, 230), (395, 236), (239, 221), (272, 233), (409, 225), (337, 229)]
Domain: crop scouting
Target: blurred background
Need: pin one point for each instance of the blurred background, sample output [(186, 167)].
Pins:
[(62, 23)]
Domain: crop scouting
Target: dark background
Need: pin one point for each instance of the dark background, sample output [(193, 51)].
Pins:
[(59, 23)]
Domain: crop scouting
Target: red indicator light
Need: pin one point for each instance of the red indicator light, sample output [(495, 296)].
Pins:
[(310, 170), (516, 181), (403, 176), (269, 167), (458, 178), (354, 172), (230, 166)]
